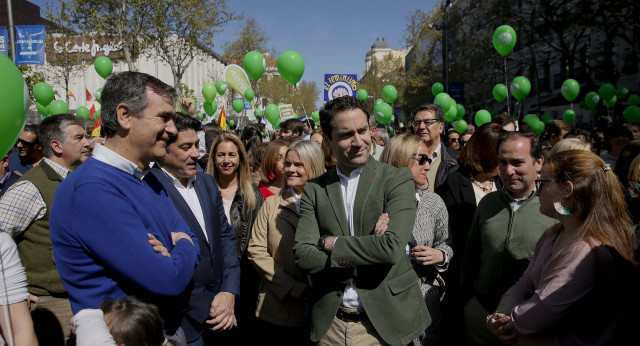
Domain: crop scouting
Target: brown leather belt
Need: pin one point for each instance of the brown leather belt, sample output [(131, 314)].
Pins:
[(351, 315)]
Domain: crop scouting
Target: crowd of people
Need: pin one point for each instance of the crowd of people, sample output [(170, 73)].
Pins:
[(165, 231)]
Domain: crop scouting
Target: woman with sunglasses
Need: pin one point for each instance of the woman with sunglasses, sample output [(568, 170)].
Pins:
[(461, 192), (429, 248), (582, 272)]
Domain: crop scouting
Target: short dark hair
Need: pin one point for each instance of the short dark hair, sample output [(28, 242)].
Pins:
[(503, 119), (54, 127), (129, 88), (556, 126), (184, 122), (339, 104), (432, 108), (133, 322), (294, 125), (250, 136), (480, 155), (32, 128), (534, 142)]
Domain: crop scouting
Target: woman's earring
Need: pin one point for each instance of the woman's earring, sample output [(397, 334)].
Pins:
[(562, 210)]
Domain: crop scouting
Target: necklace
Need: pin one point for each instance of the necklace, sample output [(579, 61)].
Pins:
[(484, 187)]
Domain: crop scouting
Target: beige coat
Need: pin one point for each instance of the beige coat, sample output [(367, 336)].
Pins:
[(271, 253)]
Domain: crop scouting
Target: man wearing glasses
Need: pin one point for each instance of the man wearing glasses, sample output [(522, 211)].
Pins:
[(428, 123), (505, 229), (28, 151)]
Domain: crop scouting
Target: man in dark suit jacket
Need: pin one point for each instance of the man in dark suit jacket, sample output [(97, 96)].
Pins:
[(364, 288), (216, 280)]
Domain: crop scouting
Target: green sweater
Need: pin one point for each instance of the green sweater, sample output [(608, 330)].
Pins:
[(499, 246)]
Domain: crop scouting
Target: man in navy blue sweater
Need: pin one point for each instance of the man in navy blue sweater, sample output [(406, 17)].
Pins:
[(195, 195), (102, 250)]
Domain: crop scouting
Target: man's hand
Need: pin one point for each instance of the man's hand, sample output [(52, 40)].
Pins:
[(188, 105), (328, 243), (222, 314), (424, 255), (498, 326), (299, 291), (157, 245), (381, 224), (32, 299), (175, 236)]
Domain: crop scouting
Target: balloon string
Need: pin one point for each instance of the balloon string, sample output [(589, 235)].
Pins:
[(571, 105), (506, 83)]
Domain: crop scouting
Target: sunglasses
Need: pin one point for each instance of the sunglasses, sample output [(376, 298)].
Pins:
[(422, 158), (426, 122), (25, 143), (539, 183), (453, 140)]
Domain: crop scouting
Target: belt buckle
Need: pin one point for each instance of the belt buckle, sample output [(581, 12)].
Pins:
[(348, 316)]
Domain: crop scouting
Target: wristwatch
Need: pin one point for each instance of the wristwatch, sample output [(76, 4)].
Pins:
[(321, 242)]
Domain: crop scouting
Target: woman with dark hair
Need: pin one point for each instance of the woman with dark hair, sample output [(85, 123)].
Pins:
[(461, 192), (250, 136), (579, 280), (272, 166), (615, 138)]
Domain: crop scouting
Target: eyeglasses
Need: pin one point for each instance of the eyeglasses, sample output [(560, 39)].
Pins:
[(25, 143), (422, 158), (426, 122), (539, 183)]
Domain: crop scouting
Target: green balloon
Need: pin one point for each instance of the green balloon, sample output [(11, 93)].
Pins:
[(460, 126), (103, 66), (632, 114), (591, 100), (221, 87), (249, 95), (568, 116), (210, 107), (546, 119), (570, 89), (83, 112), (200, 116), (14, 98), (607, 91), (504, 39), (449, 118), (58, 107), (362, 95), (520, 87), (254, 64), (500, 92), (611, 103), (460, 109), (98, 95), (232, 122), (437, 88), (42, 109), (209, 92), (389, 93), (452, 112), (530, 119), (482, 117), (238, 105), (622, 93), (291, 66), (277, 125), (444, 101), (390, 130), (43, 93), (383, 113), (96, 115), (258, 113), (315, 116), (537, 127), (273, 114), (634, 100)]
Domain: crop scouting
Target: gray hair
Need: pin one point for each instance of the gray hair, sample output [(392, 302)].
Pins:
[(129, 88), (55, 128)]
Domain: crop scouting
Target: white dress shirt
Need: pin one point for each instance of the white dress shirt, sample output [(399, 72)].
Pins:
[(190, 196)]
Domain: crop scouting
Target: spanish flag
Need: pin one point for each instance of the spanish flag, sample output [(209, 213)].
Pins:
[(222, 120), (96, 128)]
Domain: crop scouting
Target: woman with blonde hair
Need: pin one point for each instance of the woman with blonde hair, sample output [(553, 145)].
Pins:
[(569, 144), (241, 200), (283, 287), (580, 278), (429, 249)]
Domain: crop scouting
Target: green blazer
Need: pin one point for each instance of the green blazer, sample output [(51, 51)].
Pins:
[(386, 283)]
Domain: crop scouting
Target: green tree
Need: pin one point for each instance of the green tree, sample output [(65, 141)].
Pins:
[(249, 38), (302, 97)]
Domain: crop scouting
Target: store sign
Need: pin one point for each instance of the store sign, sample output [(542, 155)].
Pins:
[(89, 49)]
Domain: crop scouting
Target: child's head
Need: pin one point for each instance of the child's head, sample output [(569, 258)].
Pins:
[(132, 322)]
